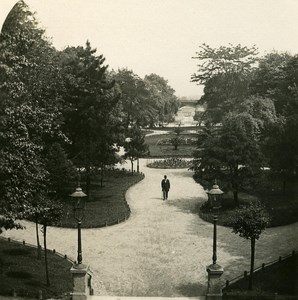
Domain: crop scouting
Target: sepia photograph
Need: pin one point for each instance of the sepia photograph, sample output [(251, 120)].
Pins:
[(148, 149)]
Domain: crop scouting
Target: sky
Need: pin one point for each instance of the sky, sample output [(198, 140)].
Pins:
[(162, 36)]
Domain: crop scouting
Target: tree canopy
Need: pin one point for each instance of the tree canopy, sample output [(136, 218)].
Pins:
[(64, 111)]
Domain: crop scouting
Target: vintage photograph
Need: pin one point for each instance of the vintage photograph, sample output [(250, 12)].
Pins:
[(148, 149)]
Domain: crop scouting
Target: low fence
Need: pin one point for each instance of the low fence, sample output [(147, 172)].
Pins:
[(262, 267), (35, 246), (122, 217), (64, 256)]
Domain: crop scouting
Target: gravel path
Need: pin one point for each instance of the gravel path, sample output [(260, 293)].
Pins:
[(164, 247)]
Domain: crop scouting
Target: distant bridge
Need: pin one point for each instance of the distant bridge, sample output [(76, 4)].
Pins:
[(189, 102)]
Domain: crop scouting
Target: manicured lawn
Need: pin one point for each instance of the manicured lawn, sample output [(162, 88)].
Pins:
[(282, 208), (280, 278), (20, 270), (157, 150), (107, 204)]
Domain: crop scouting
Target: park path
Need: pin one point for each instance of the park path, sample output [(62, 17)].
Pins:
[(164, 247)]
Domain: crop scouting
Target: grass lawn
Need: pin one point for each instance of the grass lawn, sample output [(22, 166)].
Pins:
[(168, 150), (20, 270), (280, 278), (282, 208), (107, 204)]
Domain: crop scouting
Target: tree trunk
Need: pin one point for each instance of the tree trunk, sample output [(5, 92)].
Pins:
[(236, 199), (101, 176), (252, 262), (88, 181), (37, 240), (131, 167), (284, 187), (138, 165), (46, 254), (235, 186)]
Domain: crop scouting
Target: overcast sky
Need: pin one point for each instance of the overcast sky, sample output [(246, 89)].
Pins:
[(161, 36)]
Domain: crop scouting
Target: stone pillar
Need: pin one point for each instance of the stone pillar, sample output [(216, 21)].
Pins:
[(214, 290), (81, 281)]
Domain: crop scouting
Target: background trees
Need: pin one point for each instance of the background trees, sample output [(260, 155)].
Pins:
[(147, 101), (61, 111), (276, 77), (226, 73), (135, 102), (163, 98), (253, 101)]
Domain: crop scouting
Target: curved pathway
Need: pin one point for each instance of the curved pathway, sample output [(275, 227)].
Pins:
[(164, 247)]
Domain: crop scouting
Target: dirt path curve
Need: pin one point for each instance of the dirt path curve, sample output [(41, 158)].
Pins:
[(164, 247)]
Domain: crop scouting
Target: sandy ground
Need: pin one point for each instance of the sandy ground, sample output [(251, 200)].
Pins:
[(164, 247)]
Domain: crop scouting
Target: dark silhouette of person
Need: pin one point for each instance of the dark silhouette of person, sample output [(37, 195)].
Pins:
[(165, 186)]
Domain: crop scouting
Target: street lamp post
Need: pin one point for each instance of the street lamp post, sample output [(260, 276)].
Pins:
[(214, 270), (214, 199), (78, 202), (81, 277)]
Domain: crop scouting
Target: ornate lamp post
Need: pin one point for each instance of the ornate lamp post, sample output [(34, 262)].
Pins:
[(214, 270), (214, 198), (78, 201), (80, 275)]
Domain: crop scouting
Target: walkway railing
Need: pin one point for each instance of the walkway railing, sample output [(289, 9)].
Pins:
[(35, 246), (262, 267), (72, 261)]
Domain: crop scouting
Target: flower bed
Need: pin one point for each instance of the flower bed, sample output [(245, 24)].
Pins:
[(182, 141), (170, 163)]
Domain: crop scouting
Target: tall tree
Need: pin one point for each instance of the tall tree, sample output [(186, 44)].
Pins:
[(277, 78), (225, 72), (270, 79), (233, 152), (90, 105), (162, 97), (136, 103), (29, 113)]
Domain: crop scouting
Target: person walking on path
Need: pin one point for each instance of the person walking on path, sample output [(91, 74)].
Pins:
[(165, 186)]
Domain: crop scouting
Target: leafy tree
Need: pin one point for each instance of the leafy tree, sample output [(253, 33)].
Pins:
[(22, 171), (163, 98), (270, 79), (226, 74), (29, 113), (135, 101), (276, 77), (134, 145), (230, 153), (234, 151), (8, 222), (249, 222), (19, 40), (281, 148), (90, 106)]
